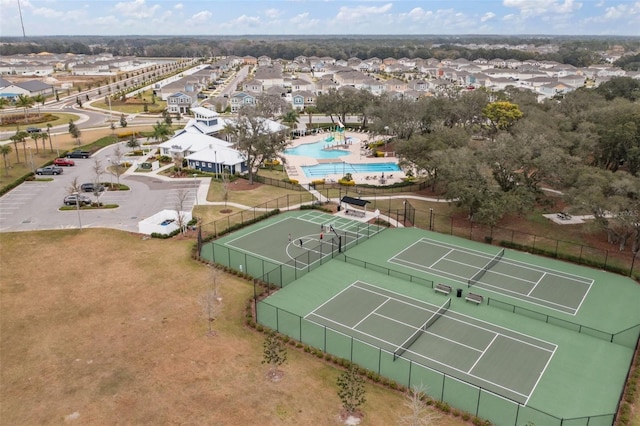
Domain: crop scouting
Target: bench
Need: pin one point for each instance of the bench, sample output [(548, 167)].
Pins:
[(356, 213), (474, 298), (442, 288)]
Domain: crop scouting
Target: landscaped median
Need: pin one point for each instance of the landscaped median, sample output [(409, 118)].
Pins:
[(93, 206)]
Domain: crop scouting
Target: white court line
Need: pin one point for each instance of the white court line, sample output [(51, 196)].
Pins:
[(540, 376), (441, 258), (371, 313), (526, 396), (569, 276), (517, 295), (256, 230), (355, 284), (229, 243), (569, 310), (402, 251), (329, 320), (421, 268), (459, 320), (483, 352), (331, 298), (535, 285)]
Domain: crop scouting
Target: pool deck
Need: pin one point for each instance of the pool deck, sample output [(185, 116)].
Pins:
[(358, 153)]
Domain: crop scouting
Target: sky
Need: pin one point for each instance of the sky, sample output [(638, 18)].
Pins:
[(318, 17)]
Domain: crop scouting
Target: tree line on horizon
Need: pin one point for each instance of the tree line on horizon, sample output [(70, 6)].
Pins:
[(577, 51)]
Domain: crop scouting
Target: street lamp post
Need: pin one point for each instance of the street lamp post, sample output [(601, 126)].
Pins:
[(31, 159), (404, 217), (195, 186), (110, 173), (386, 130), (78, 208)]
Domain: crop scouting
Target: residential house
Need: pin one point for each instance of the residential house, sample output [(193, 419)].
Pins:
[(240, 99), (181, 102), (550, 90), (264, 61), (395, 85), (297, 84), (303, 99), (252, 85), (249, 60), (270, 76)]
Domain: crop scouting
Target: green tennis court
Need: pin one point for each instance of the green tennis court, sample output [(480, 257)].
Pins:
[(551, 345), (553, 289), (494, 358), (298, 241)]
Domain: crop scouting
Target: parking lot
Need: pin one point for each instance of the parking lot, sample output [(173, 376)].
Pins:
[(35, 205)]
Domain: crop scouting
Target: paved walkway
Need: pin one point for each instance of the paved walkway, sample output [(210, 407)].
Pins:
[(205, 182)]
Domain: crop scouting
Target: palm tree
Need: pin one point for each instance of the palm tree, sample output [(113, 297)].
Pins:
[(35, 137), (44, 139), (24, 102), (38, 99), (49, 126), (5, 150), (161, 132), (3, 103), (18, 137), (291, 118)]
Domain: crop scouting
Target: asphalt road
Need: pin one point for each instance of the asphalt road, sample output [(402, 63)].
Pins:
[(35, 205)]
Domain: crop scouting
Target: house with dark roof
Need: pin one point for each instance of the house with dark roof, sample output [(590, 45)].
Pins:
[(181, 102), (240, 99)]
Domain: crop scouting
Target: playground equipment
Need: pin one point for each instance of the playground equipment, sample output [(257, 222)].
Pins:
[(337, 135)]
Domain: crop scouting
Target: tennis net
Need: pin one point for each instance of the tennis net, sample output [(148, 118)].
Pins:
[(476, 277), (411, 340)]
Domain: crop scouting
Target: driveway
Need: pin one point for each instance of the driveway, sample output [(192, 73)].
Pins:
[(35, 205)]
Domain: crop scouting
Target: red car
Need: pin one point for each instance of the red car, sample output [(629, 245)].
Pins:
[(63, 162)]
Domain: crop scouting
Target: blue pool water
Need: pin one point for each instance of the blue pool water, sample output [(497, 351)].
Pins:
[(321, 170), (316, 150)]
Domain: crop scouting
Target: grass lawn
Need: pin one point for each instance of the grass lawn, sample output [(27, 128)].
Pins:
[(115, 334), (133, 108), (60, 119), (60, 143)]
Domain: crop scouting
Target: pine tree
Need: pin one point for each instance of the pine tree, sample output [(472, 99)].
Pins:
[(351, 389), (275, 354)]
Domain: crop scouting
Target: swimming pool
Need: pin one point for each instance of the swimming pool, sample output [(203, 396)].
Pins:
[(321, 170), (316, 150)]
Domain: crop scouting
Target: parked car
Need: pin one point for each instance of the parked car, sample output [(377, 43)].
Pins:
[(92, 187), (78, 154), (63, 162), (73, 199), (33, 130), (49, 170)]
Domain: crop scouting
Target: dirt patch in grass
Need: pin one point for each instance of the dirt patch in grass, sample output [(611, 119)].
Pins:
[(243, 185), (103, 327)]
